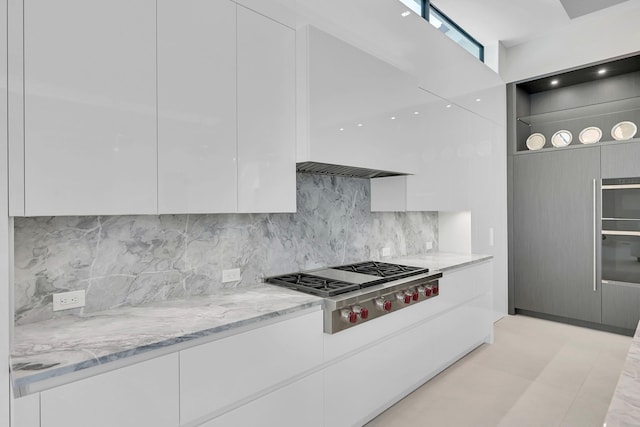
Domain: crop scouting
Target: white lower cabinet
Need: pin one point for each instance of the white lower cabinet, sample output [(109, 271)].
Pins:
[(25, 411), (298, 404), (362, 386), (145, 394), (217, 375)]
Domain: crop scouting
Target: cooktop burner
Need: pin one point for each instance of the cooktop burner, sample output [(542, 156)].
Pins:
[(345, 278), (381, 269), (316, 285)]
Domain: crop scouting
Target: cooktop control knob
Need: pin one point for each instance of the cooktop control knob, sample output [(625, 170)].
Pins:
[(383, 304), (360, 311), (348, 316), (425, 290), (404, 297), (435, 289), (415, 295)]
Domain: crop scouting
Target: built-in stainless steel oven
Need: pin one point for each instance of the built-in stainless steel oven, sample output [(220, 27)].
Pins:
[(621, 230)]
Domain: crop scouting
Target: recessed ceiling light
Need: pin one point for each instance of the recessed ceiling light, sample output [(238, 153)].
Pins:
[(448, 105), (554, 82), (478, 99), (393, 117), (416, 112), (405, 13), (360, 125), (341, 129), (602, 70)]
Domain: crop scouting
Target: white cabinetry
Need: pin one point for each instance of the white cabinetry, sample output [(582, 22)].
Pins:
[(89, 107), (196, 106), (453, 160), (298, 404), (266, 115), (145, 394), (283, 11), (215, 376), (226, 105), (353, 108), (364, 384), (25, 411)]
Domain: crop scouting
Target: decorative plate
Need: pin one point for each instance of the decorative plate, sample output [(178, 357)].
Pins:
[(536, 141), (562, 138), (590, 135), (624, 130)]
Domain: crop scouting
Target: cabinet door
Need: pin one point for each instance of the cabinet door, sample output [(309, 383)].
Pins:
[(554, 233), (145, 394), (298, 404), (283, 11), (90, 107), (621, 305), (621, 161), (266, 114), (196, 106), (246, 364)]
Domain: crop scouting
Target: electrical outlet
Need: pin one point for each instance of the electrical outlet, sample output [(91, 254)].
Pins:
[(232, 275), (429, 245), (386, 251), (67, 300)]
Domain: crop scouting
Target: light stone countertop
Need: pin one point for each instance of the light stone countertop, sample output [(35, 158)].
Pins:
[(624, 409), (441, 261), (54, 352), (45, 351)]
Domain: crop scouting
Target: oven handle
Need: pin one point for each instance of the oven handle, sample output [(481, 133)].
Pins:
[(620, 233), (616, 282), (621, 187)]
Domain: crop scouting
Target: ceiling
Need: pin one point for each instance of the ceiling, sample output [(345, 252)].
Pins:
[(516, 21)]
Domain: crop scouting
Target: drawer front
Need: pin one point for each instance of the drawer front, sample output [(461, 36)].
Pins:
[(276, 409), (221, 373), (621, 305)]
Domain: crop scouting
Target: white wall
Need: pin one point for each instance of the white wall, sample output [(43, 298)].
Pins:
[(592, 38)]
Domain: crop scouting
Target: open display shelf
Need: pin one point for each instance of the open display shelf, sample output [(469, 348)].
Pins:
[(604, 115)]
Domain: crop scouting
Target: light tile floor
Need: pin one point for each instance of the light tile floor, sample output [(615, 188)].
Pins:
[(536, 373)]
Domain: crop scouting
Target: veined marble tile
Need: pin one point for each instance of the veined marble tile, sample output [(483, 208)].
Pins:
[(133, 260)]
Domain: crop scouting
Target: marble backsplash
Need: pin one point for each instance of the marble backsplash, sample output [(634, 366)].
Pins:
[(132, 260)]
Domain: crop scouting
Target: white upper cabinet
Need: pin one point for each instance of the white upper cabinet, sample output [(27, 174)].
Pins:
[(90, 107), (266, 114), (196, 106), (353, 108), (283, 11), (450, 144)]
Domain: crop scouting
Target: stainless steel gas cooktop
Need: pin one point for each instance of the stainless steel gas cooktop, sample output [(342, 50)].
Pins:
[(360, 292)]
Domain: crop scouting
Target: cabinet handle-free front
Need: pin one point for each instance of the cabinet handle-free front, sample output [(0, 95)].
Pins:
[(595, 240)]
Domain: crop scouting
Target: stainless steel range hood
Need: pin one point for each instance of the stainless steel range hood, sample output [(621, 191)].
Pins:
[(341, 170)]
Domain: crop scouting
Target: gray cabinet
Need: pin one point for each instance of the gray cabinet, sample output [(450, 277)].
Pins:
[(620, 305), (621, 161), (553, 233)]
